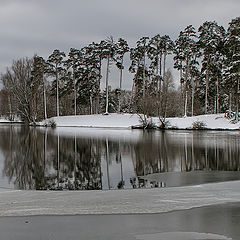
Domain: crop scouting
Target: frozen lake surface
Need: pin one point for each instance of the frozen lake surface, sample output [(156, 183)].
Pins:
[(218, 222)]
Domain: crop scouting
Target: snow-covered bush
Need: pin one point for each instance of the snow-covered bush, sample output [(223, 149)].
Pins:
[(50, 123), (198, 125), (163, 123), (147, 122), (230, 114)]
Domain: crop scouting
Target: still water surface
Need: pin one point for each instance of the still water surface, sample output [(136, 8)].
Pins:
[(86, 159)]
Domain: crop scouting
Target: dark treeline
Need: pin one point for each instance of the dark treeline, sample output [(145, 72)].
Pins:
[(207, 58)]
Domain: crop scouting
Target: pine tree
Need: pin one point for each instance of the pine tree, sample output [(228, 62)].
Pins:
[(232, 71), (167, 48), (98, 54), (38, 73), (122, 49), (185, 53), (109, 53), (138, 67), (73, 61), (155, 52), (211, 39), (55, 67)]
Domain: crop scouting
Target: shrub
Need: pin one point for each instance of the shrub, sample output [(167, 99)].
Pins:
[(163, 123), (147, 122), (199, 125), (50, 123)]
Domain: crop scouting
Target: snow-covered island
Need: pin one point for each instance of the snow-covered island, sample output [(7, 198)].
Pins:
[(114, 120)]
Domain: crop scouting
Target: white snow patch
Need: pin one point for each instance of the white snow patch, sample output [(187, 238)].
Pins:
[(211, 121), (25, 203), (114, 120), (2, 120)]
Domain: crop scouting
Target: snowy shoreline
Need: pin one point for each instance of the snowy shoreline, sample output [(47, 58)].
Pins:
[(128, 121), (131, 121)]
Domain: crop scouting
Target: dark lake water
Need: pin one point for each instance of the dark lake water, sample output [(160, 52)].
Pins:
[(87, 159)]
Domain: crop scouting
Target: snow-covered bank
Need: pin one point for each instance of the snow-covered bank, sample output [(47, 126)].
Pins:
[(211, 121), (114, 120), (3, 120), (156, 200)]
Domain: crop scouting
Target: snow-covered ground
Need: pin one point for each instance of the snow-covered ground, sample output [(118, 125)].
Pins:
[(114, 120), (3, 120), (156, 200), (211, 121)]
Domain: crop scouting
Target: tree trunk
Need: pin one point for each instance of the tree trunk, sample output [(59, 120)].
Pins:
[(120, 88), (230, 101), (185, 104), (98, 93), (186, 86), (181, 89), (75, 92), (215, 104), (206, 90), (160, 65), (217, 101), (237, 101), (44, 99), (157, 73), (107, 74), (193, 101), (144, 80), (57, 100), (164, 65), (10, 107), (91, 105)]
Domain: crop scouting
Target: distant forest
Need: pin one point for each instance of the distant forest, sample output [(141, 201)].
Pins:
[(207, 58)]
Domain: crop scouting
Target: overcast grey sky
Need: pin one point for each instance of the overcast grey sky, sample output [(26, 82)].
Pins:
[(40, 26)]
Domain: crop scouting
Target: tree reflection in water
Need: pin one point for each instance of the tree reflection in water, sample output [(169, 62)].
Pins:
[(46, 159)]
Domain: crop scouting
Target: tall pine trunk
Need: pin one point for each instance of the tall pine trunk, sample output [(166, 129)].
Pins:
[(107, 74), (193, 101), (237, 101), (44, 99), (217, 100), (57, 100), (91, 105), (75, 91), (164, 86), (186, 87), (144, 80), (98, 83), (185, 103), (10, 108), (120, 87), (230, 102), (206, 89)]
